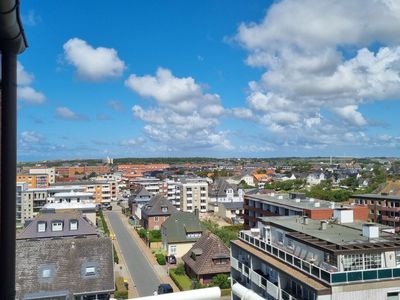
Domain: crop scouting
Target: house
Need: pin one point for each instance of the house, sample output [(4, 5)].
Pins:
[(66, 268), (207, 258), (222, 191), (246, 177), (137, 200), (61, 256), (315, 178), (58, 225), (180, 231), (231, 210), (156, 212)]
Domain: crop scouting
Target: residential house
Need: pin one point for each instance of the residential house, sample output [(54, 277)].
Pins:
[(137, 200), (232, 211), (222, 191), (180, 231), (207, 258), (156, 212), (315, 178)]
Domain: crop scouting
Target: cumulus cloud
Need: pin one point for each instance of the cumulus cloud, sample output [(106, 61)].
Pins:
[(93, 63), (184, 116), (66, 114), (25, 92), (133, 142), (318, 56)]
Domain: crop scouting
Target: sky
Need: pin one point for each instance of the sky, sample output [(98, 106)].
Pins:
[(209, 78)]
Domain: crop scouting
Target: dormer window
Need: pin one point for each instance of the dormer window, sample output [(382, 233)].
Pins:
[(90, 271), (41, 226), (56, 226), (73, 225), (46, 273), (164, 209)]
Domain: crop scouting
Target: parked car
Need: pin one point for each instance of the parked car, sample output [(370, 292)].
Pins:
[(164, 288), (171, 259)]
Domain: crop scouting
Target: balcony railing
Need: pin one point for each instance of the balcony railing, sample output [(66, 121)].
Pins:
[(390, 218), (388, 208), (260, 280), (323, 274)]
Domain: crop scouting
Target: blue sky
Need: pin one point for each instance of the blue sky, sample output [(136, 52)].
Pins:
[(209, 78)]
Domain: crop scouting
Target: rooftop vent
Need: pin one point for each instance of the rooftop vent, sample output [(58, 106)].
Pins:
[(311, 199), (343, 215), (305, 220), (317, 204), (324, 225)]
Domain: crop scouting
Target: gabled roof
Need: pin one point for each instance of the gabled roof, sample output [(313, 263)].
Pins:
[(219, 187), (179, 224), (208, 248), (156, 205), (31, 230), (66, 260)]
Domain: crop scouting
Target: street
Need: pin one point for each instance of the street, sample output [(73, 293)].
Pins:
[(142, 272)]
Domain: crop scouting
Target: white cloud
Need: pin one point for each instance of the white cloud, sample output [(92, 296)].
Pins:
[(67, 114), (30, 95), (184, 115), (116, 105), (24, 91), (30, 137), (133, 142), (317, 57), (93, 63)]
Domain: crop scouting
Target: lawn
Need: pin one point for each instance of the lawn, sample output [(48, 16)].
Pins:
[(182, 281)]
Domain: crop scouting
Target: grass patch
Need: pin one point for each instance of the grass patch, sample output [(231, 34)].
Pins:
[(183, 282)]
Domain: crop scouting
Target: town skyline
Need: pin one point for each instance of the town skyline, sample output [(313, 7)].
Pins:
[(213, 79)]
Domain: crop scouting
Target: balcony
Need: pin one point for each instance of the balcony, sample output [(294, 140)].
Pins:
[(390, 218), (391, 209), (325, 272)]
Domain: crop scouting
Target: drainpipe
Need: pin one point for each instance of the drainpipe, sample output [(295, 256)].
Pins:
[(12, 42)]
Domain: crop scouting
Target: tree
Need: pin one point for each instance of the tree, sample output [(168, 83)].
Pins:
[(221, 280)]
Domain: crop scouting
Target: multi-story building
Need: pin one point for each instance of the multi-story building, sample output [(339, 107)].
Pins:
[(193, 195), (73, 171), (34, 180), (382, 208), (20, 216), (61, 256), (295, 257), (173, 193), (292, 204), (151, 184), (50, 172)]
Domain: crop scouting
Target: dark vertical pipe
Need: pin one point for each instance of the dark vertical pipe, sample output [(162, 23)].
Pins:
[(8, 158)]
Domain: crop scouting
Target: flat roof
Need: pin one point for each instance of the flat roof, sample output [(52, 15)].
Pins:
[(284, 200), (377, 196), (348, 234)]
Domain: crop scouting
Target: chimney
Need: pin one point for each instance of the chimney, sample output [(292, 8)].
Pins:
[(196, 212), (305, 220), (370, 230), (324, 225)]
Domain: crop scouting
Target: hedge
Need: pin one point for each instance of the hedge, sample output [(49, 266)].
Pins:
[(116, 258), (161, 259), (226, 292), (183, 282), (121, 291), (121, 294)]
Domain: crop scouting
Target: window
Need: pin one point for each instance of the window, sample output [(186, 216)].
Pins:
[(46, 273), (172, 249), (156, 219), (73, 225), (56, 226), (202, 188), (164, 209), (393, 296), (373, 261), (290, 243), (41, 226), (352, 262), (220, 261), (279, 236), (90, 271)]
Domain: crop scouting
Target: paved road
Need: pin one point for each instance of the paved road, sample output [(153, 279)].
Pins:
[(142, 272)]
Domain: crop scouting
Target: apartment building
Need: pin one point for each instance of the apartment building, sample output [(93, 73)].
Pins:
[(73, 171), (295, 257), (173, 193), (34, 180), (50, 172), (20, 208), (292, 204), (382, 208), (193, 195), (151, 184), (137, 170)]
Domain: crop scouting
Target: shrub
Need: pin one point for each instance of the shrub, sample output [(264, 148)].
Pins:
[(161, 259), (155, 235), (121, 291), (116, 258), (180, 270), (121, 294), (183, 282), (142, 233), (221, 280)]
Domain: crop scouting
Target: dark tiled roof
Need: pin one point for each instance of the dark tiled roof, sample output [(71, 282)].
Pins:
[(67, 260), (210, 247), (219, 187), (156, 205), (84, 227), (233, 205), (181, 223)]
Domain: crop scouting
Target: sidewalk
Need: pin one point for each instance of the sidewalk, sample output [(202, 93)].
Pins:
[(161, 271), (121, 268)]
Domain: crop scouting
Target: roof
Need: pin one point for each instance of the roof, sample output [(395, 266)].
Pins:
[(219, 187), (179, 224), (156, 205), (339, 234), (73, 194), (208, 248), (31, 230), (377, 196), (284, 201), (232, 205), (67, 260)]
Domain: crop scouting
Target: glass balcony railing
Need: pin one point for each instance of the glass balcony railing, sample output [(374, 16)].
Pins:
[(328, 276)]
